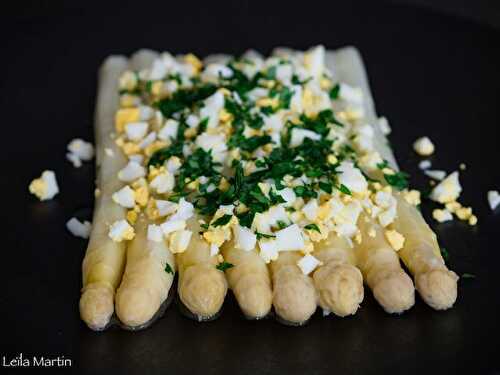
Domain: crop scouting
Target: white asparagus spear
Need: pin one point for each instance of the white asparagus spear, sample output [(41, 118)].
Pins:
[(435, 283), (338, 281), (249, 280), (294, 295), (202, 287), (104, 260), (379, 263), (145, 284), (421, 254)]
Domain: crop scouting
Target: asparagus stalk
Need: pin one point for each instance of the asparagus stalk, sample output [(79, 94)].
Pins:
[(249, 280), (435, 283), (379, 263), (104, 260), (294, 295), (421, 254), (202, 287), (147, 279), (338, 281), (146, 283)]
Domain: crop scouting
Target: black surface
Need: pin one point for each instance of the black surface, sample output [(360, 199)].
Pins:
[(431, 75)]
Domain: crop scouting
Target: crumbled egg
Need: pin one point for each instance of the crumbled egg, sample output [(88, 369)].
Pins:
[(424, 164), (79, 150), (132, 171), (172, 226), (245, 239), (121, 230), (423, 146), (352, 177), (435, 174), (308, 263), (298, 136), (311, 209), (268, 250), (179, 241), (165, 207), (136, 130), (447, 190), (442, 215), (412, 197), (125, 197), (79, 229), (45, 187), (163, 182), (169, 130), (493, 199), (290, 238)]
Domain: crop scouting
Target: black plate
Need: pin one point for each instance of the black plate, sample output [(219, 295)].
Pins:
[(430, 74)]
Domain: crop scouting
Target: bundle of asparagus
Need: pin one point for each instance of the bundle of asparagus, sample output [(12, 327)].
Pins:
[(271, 177)]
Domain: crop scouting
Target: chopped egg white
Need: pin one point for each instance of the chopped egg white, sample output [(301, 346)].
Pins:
[(169, 130), (79, 229), (442, 215), (290, 238), (136, 130), (165, 207), (447, 190), (79, 150), (268, 250), (298, 136), (423, 146), (121, 230), (311, 209), (45, 187), (163, 182), (132, 171), (245, 239), (125, 197), (435, 174), (351, 177), (308, 263), (172, 225), (179, 241), (424, 164), (493, 199)]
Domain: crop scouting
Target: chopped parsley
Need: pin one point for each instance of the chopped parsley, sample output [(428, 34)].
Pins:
[(223, 220), (444, 253), (334, 92), (468, 276), (223, 266), (168, 269), (264, 235), (312, 227)]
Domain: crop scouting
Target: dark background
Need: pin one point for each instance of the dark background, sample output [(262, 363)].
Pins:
[(433, 66)]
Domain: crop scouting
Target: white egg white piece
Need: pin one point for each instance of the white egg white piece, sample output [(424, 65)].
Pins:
[(79, 229)]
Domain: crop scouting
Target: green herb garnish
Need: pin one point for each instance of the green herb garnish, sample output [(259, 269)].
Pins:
[(312, 227), (334, 92), (444, 253), (224, 266), (168, 269), (468, 276), (223, 220), (264, 235)]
